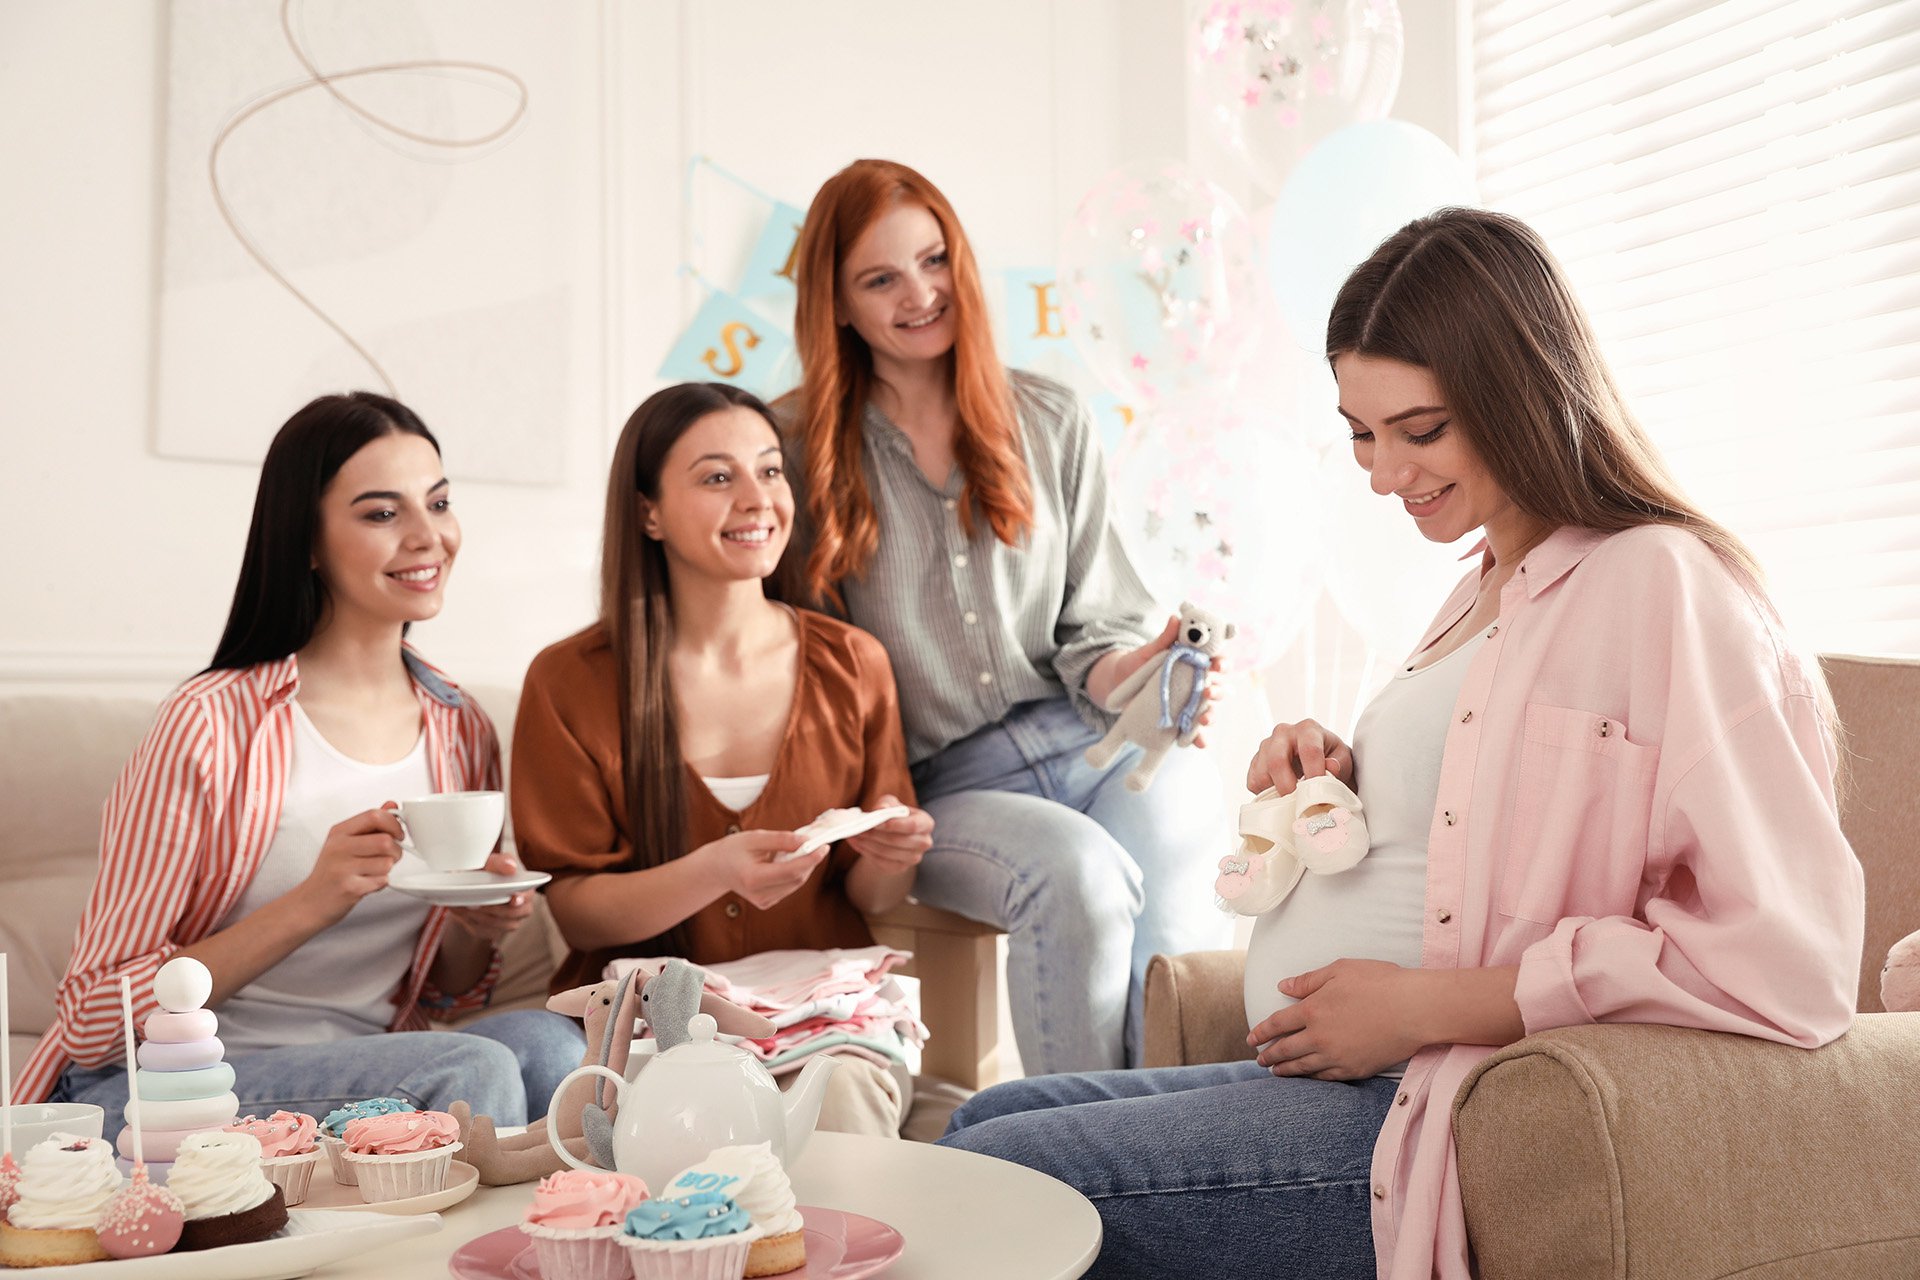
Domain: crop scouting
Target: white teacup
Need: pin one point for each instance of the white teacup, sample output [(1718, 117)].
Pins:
[(454, 831), (35, 1122)]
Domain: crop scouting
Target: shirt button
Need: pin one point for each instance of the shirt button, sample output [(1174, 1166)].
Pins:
[(1606, 729), (961, 560), (1443, 915), (970, 617), (1449, 817), (733, 828), (1379, 1192), (733, 911), (1466, 718), (1494, 632), (1403, 1100), (986, 677), (952, 503)]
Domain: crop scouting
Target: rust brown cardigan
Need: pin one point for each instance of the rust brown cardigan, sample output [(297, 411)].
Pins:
[(843, 747)]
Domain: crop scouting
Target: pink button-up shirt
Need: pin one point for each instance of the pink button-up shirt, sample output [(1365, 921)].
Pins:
[(1636, 806)]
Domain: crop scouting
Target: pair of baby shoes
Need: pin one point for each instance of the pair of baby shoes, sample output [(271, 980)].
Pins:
[(1317, 828)]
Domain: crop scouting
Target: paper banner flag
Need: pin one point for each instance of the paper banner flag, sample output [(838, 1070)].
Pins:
[(728, 342), (769, 272)]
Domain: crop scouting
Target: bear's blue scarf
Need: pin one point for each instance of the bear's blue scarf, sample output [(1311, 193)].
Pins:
[(1199, 662)]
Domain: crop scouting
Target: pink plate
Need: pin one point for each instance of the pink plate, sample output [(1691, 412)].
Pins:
[(840, 1246)]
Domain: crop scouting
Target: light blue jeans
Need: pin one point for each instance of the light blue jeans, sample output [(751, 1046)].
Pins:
[(1090, 880), (1223, 1170), (505, 1065)]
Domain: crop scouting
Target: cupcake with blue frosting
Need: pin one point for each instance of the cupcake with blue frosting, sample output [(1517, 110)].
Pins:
[(333, 1132), (700, 1236)]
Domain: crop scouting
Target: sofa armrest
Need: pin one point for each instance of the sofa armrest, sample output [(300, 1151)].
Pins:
[(1642, 1151), (1194, 1011)]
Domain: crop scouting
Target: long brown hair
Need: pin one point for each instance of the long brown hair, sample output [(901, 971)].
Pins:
[(636, 609), (837, 377), (1476, 298)]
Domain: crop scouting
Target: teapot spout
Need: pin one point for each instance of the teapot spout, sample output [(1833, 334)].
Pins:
[(802, 1103)]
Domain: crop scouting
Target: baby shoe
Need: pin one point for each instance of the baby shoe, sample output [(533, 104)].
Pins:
[(1316, 827), (1329, 834)]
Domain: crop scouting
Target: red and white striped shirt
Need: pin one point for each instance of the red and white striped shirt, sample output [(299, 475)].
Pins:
[(184, 833)]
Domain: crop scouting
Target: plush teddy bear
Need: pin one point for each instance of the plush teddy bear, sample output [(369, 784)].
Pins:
[(1900, 976), (1159, 704)]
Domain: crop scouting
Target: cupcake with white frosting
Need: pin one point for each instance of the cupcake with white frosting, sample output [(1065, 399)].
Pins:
[(65, 1185), (227, 1197)]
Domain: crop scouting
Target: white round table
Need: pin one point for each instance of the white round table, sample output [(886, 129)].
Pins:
[(964, 1216)]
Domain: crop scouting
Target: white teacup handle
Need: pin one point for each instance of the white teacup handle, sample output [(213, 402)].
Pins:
[(553, 1111)]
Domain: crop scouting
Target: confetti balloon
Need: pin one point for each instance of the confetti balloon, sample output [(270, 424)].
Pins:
[(1274, 77), (1216, 508), (1386, 578), (1160, 284)]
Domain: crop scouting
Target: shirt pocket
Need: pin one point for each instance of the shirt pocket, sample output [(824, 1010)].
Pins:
[(1582, 807)]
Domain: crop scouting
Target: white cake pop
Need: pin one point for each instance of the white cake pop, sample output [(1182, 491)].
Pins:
[(182, 985)]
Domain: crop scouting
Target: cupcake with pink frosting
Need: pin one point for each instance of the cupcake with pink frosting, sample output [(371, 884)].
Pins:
[(401, 1155), (576, 1220), (289, 1150)]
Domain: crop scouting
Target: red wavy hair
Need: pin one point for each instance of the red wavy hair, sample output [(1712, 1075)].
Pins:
[(837, 377)]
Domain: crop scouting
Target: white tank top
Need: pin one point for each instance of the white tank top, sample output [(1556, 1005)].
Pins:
[(340, 982), (1373, 910)]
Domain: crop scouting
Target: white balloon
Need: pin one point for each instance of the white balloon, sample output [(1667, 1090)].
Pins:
[(182, 985), (1217, 507)]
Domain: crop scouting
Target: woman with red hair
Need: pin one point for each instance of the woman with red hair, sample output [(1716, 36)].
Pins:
[(958, 511)]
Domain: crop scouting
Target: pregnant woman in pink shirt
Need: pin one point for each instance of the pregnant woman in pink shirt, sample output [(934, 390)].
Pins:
[(1622, 777)]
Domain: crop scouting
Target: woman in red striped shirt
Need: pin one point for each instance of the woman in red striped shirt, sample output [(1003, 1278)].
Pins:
[(248, 830)]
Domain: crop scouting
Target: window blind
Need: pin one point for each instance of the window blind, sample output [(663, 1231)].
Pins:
[(1734, 189)]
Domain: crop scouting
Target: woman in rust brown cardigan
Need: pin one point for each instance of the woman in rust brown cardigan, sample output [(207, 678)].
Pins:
[(663, 756)]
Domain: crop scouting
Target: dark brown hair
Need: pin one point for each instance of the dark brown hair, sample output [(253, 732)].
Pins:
[(280, 599), (837, 378), (637, 611), (1475, 298)]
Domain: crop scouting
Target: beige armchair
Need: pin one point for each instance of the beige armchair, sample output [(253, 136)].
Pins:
[(1647, 1153)]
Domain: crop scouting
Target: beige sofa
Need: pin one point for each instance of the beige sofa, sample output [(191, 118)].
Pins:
[(60, 754), (1647, 1153)]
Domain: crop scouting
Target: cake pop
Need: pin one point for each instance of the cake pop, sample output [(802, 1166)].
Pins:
[(143, 1218)]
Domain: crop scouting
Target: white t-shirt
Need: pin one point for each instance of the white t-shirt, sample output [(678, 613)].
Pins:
[(737, 793), (340, 982), (1373, 910)]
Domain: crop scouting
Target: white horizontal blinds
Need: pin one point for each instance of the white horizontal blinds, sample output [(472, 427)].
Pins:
[(1734, 188)]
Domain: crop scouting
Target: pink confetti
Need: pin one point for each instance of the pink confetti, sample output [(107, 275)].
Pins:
[(1192, 229), (1251, 97), (1139, 362), (1289, 117), (1323, 79)]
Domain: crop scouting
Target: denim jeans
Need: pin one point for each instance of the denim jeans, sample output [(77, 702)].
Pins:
[(1222, 1170), (1089, 879), (505, 1065)]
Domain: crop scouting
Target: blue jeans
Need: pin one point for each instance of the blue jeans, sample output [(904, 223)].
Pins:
[(1222, 1170), (505, 1065), (1090, 880)]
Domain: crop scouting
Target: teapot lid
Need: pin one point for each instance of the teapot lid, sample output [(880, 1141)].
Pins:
[(701, 1046)]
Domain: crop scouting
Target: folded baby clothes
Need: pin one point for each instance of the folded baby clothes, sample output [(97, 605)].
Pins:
[(1317, 827)]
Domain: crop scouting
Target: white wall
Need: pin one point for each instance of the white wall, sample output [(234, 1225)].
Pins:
[(118, 564)]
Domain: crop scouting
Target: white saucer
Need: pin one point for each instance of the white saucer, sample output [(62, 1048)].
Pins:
[(464, 888)]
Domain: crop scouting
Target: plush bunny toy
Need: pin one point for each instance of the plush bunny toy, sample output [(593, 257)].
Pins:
[(1159, 704), (1900, 976)]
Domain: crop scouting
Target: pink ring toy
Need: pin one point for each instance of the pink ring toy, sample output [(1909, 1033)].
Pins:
[(159, 1055), (190, 1113), (179, 1028)]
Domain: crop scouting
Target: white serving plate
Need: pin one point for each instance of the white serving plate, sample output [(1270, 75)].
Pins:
[(308, 1242)]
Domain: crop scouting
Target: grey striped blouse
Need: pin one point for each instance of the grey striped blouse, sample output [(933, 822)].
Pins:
[(975, 627)]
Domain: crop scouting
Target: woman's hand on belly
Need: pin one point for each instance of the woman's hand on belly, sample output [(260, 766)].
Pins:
[(1352, 1019)]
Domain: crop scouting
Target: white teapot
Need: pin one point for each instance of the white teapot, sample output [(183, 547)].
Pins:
[(699, 1096)]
